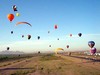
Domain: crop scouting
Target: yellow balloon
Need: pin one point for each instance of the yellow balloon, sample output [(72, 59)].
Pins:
[(17, 14), (56, 50)]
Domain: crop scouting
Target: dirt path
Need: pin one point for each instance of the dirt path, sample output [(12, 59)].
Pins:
[(63, 65)]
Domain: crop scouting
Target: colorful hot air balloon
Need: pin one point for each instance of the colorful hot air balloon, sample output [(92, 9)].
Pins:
[(93, 50), (55, 26), (10, 17), (14, 8), (91, 44), (79, 34), (29, 37)]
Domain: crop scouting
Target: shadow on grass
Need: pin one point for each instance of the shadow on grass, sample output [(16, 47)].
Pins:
[(14, 69), (92, 59)]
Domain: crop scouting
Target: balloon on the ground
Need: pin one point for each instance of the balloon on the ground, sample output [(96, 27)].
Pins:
[(93, 50), (10, 17), (91, 44), (18, 23)]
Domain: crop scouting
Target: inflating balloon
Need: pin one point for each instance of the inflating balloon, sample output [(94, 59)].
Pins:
[(10, 17), (91, 44)]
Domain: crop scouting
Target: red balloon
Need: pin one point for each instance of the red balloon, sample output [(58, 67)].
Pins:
[(10, 17), (55, 26)]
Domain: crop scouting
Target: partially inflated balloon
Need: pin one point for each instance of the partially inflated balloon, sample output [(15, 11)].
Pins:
[(10, 17), (91, 44), (93, 50)]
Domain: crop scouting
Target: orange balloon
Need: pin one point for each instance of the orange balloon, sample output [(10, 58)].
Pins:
[(10, 17)]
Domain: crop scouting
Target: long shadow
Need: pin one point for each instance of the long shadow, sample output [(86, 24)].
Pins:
[(14, 68), (93, 60)]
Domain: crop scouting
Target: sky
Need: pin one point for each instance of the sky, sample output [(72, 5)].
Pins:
[(71, 16)]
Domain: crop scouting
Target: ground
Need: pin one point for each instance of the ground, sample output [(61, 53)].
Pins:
[(52, 64)]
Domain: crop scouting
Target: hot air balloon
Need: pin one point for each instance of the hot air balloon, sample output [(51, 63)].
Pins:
[(10, 17), (48, 31), (49, 45), (23, 23), (67, 46), (29, 37), (14, 8), (22, 36), (8, 48), (11, 32), (70, 35), (17, 14), (56, 50), (93, 50), (79, 34), (55, 26), (91, 44), (38, 37), (58, 39)]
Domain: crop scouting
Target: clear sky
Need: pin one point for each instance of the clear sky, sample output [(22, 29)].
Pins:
[(71, 16)]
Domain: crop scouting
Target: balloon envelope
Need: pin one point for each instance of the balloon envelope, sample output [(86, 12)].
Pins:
[(17, 14), (10, 17), (29, 37), (79, 34), (91, 44), (93, 50), (55, 26)]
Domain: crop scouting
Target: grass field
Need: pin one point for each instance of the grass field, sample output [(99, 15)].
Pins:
[(50, 64)]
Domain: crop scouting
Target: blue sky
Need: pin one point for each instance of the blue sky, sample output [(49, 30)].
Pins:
[(71, 16)]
